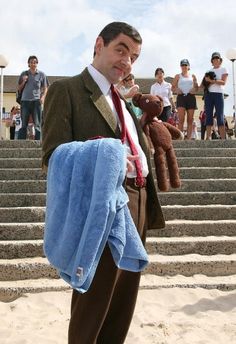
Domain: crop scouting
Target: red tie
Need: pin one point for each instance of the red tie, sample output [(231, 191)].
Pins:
[(126, 135)]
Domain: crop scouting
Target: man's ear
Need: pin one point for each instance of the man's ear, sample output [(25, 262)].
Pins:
[(99, 44)]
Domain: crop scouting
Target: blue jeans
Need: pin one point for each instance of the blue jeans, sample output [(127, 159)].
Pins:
[(28, 108), (214, 100), (166, 113)]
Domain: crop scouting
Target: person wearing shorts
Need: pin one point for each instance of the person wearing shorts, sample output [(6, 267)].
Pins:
[(185, 86)]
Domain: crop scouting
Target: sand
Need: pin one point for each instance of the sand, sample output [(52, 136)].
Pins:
[(162, 316)]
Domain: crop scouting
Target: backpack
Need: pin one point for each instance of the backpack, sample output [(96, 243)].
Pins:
[(20, 92)]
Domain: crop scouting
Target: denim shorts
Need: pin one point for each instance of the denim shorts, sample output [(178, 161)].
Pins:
[(214, 105)]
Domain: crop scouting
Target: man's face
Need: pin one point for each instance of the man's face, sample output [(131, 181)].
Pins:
[(114, 61), (33, 63)]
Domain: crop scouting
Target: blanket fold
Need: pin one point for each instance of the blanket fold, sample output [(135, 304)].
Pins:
[(86, 208)]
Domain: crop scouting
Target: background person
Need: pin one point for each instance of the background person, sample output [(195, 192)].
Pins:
[(162, 88), (128, 88), (214, 98), (185, 85), (80, 108), (34, 84), (202, 118), (17, 121), (12, 123)]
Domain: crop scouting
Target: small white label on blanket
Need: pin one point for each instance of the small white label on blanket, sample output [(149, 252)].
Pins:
[(80, 272)]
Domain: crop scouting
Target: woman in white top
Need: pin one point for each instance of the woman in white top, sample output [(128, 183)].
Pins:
[(214, 97), (163, 89), (185, 85)]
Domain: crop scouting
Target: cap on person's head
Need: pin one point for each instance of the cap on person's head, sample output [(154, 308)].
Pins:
[(184, 62), (216, 55), (159, 69)]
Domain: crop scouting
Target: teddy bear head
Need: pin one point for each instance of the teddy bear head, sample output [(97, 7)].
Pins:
[(149, 104)]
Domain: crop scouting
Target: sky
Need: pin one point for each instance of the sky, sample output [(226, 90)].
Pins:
[(62, 33)]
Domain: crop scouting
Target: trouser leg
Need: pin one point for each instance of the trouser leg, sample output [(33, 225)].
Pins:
[(25, 114), (117, 322), (37, 117)]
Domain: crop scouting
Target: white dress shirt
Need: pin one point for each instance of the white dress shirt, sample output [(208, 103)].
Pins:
[(105, 87), (163, 90)]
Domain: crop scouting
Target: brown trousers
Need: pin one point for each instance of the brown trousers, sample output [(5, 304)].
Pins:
[(103, 314)]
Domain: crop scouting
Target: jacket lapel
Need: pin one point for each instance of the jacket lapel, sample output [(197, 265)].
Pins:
[(100, 101)]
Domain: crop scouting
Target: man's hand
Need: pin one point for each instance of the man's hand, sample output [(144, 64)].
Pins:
[(130, 166)]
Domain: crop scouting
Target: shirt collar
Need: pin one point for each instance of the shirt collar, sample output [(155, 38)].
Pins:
[(100, 79)]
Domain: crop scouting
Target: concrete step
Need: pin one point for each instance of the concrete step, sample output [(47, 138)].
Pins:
[(21, 231), (174, 228), (20, 153), (197, 281), (166, 198), (22, 199), (21, 174), (22, 214), (176, 143), (207, 185), (188, 185), (10, 290), (187, 265), (26, 268), (196, 198), (191, 245), (198, 212), (180, 152), (191, 264), (207, 172), (20, 163), (204, 144), (22, 186), (20, 144), (207, 162), (178, 212), (12, 249), (206, 152), (185, 173), (21, 249), (181, 228)]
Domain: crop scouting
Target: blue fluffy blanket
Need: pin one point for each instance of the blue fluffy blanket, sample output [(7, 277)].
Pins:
[(86, 208)]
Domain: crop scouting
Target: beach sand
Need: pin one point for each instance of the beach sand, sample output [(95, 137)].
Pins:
[(162, 316)]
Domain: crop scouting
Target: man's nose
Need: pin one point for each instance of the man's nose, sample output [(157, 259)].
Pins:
[(126, 60)]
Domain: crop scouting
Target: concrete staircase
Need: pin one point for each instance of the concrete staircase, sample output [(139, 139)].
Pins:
[(197, 247)]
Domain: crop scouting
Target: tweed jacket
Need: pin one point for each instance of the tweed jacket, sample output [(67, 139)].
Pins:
[(75, 110)]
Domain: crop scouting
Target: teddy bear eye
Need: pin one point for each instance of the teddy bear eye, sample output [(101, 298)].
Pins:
[(147, 100)]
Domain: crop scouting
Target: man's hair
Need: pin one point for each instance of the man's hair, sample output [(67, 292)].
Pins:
[(32, 57), (114, 29)]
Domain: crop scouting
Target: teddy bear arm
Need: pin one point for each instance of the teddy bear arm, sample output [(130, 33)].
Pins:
[(176, 134)]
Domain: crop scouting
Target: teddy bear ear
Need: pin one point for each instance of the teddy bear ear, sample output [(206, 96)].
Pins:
[(136, 98)]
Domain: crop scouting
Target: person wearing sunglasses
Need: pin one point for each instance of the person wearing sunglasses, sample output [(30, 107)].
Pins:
[(185, 86)]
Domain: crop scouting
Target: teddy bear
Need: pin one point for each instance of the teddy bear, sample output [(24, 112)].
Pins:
[(159, 135)]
